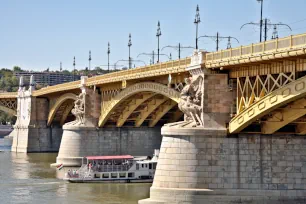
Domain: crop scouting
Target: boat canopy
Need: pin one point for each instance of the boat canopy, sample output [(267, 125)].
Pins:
[(109, 157)]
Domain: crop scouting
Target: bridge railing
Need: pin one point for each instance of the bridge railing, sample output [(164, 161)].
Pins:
[(140, 72), (8, 95), (281, 44), (57, 88)]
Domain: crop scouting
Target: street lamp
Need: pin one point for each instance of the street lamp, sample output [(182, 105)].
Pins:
[(158, 34), (89, 60), (129, 45), (197, 20), (261, 22), (74, 68), (108, 52)]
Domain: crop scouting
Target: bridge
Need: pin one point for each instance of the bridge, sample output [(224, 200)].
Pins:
[(233, 122), (257, 75)]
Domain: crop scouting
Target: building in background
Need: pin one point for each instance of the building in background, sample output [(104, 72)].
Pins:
[(47, 78)]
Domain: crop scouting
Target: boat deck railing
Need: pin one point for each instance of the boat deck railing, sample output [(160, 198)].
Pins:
[(111, 168)]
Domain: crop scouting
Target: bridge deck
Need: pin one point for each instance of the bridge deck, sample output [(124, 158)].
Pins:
[(279, 48)]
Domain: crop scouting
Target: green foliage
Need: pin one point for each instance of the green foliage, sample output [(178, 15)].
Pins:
[(6, 118), (17, 69)]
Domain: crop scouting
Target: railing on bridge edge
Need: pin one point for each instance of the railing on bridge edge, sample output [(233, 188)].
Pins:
[(280, 44), (145, 71), (8, 95)]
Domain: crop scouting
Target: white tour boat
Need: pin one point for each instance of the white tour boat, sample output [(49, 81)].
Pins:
[(120, 169)]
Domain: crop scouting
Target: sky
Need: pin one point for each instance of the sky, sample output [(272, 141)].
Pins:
[(37, 35)]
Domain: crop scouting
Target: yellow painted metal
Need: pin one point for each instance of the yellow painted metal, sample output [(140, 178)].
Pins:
[(58, 103), (8, 105), (162, 110), (277, 98), (108, 107), (57, 88), (273, 49), (8, 95), (252, 89), (164, 68), (284, 116), (131, 107), (148, 110), (66, 113), (8, 110), (300, 129)]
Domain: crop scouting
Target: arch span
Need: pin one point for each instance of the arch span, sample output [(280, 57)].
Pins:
[(58, 103), (276, 99), (8, 110), (134, 89)]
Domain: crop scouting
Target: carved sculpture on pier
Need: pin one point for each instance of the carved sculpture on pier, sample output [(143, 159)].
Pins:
[(79, 110), (191, 101)]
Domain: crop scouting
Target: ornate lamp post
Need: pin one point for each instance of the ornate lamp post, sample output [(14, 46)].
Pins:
[(129, 45), (89, 60), (108, 52), (74, 68), (158, 34), (261, 22), (197, 20)]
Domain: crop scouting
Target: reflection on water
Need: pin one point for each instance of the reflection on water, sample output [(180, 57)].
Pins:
[(28, 178)]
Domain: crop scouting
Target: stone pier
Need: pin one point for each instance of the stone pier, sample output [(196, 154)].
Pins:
[(200, 164), (80, 142), (31, 133)]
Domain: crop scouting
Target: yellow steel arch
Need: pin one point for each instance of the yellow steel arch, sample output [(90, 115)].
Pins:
[(134, 89), (286, 94), (58, 103), (8, 110)]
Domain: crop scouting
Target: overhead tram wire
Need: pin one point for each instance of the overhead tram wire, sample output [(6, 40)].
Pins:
[(178, 48), (266, 25), (218, 38)]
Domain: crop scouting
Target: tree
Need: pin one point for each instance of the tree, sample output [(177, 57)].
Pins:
[(17, 69)]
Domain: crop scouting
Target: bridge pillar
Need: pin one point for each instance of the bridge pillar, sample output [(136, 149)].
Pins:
[(31, 133), (80, 137), (200, 164)]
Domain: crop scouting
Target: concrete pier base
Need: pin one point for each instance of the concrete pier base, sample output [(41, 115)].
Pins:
[(31, 139), (78, 141), (205, 166)]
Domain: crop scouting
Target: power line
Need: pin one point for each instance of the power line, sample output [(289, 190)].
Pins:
[(217, 39), (298, 21), (267, 24)]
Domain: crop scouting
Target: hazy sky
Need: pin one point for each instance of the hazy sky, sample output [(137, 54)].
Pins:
[(38, 34)]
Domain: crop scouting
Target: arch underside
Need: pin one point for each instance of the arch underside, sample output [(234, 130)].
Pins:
[(281, 111), (146, 109), (61, 108), (63, 113), (9, 106)]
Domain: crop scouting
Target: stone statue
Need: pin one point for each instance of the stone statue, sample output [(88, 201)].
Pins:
[(191, 101), (79, 110)]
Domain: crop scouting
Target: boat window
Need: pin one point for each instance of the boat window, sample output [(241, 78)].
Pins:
[(154, 165), (122, 175), (114, 175), (146, 166), (137, 166), (130, 175), (105, 175), (142, 165), (150, 166)]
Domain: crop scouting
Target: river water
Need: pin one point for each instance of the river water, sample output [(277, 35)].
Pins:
[(28, 178)]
